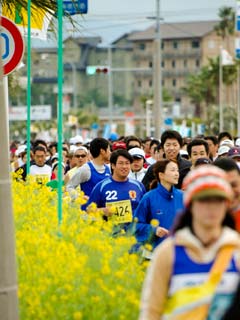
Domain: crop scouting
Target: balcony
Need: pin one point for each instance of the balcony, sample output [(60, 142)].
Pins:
[(180, 54)]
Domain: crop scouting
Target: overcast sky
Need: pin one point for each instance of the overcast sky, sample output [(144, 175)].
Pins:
[(111, 18)]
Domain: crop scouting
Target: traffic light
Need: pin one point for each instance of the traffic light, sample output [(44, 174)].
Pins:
[(91, 70), (102, 70)]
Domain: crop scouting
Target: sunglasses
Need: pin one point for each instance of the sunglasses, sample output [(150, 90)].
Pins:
[(80, 156)]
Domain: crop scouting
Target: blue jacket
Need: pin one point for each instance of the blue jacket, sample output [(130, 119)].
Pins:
[(159, 204)]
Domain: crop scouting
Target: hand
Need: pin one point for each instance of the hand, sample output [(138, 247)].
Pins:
[(161, 232), (107, 211)]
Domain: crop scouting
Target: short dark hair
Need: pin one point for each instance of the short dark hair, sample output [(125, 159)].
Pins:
[(128, 139), (224, 134), (96, 145), (171, 134), (39, 148), (39, 142), (212, 138), (197, 142), (120, 152), (153, 142), (226, 164)]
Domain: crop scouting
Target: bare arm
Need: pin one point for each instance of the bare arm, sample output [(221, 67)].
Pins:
[(83, 174)]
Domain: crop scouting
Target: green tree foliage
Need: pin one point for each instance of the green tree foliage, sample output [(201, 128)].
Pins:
[(48, 5), (226, 25)]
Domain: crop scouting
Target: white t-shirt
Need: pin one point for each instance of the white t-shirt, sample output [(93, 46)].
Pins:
[(42, 174)]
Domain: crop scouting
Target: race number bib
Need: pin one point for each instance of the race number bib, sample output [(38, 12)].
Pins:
[(41, 178), (123, 213)]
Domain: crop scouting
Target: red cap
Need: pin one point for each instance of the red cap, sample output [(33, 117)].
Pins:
[(118, 145)]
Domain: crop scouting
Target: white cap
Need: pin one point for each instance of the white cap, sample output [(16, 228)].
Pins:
[(81, 148), (73, 148), (223, 149), (237, 142), (137, 152), (54, 157), (55, 164), (227, 142), (76, 139), (183, 152), (20, 149)]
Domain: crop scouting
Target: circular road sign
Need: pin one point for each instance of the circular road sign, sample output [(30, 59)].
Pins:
[(12, 45)]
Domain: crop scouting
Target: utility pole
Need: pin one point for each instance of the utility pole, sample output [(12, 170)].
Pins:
[(8, 278), (74, 80), (110, 87), (157, 76), (220, 92)]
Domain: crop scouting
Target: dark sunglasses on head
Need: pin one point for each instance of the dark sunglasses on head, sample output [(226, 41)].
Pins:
[(80, 155)]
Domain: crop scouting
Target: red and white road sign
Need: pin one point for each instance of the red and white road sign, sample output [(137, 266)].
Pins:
[(13, 45)]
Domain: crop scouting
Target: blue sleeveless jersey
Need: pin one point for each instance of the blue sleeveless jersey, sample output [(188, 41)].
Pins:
[(188, 273)]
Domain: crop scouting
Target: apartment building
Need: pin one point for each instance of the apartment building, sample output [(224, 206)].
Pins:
[(185, 48)]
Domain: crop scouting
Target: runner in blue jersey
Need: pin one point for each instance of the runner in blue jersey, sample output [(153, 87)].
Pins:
[(118, 190), (89, 174)]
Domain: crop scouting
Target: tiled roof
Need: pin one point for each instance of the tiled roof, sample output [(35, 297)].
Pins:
[(176, 30)]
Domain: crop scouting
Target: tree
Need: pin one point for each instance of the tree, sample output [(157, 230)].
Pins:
[(226, 25), (48, 5), (203, 88)]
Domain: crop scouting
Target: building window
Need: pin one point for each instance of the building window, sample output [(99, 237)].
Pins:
[(174, 82), (150, 64), (211, 44), (195, 44), (142, 46), (197, 63), (163, 83), (162, 45), (139, 83), (150, 83), (185, 63), (175, 44), (163, 64), (173, 64)]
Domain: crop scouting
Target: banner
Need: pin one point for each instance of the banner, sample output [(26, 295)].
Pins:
[(238, 15), (226, 58), (40, 19)]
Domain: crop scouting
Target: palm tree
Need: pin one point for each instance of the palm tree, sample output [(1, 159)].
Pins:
[(226, 25), (48, 5)]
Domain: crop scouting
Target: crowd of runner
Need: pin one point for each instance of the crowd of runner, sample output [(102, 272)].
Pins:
[(181, 194)]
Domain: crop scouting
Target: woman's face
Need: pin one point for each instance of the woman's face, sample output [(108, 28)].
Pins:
[(171, 174), (209, 213)]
